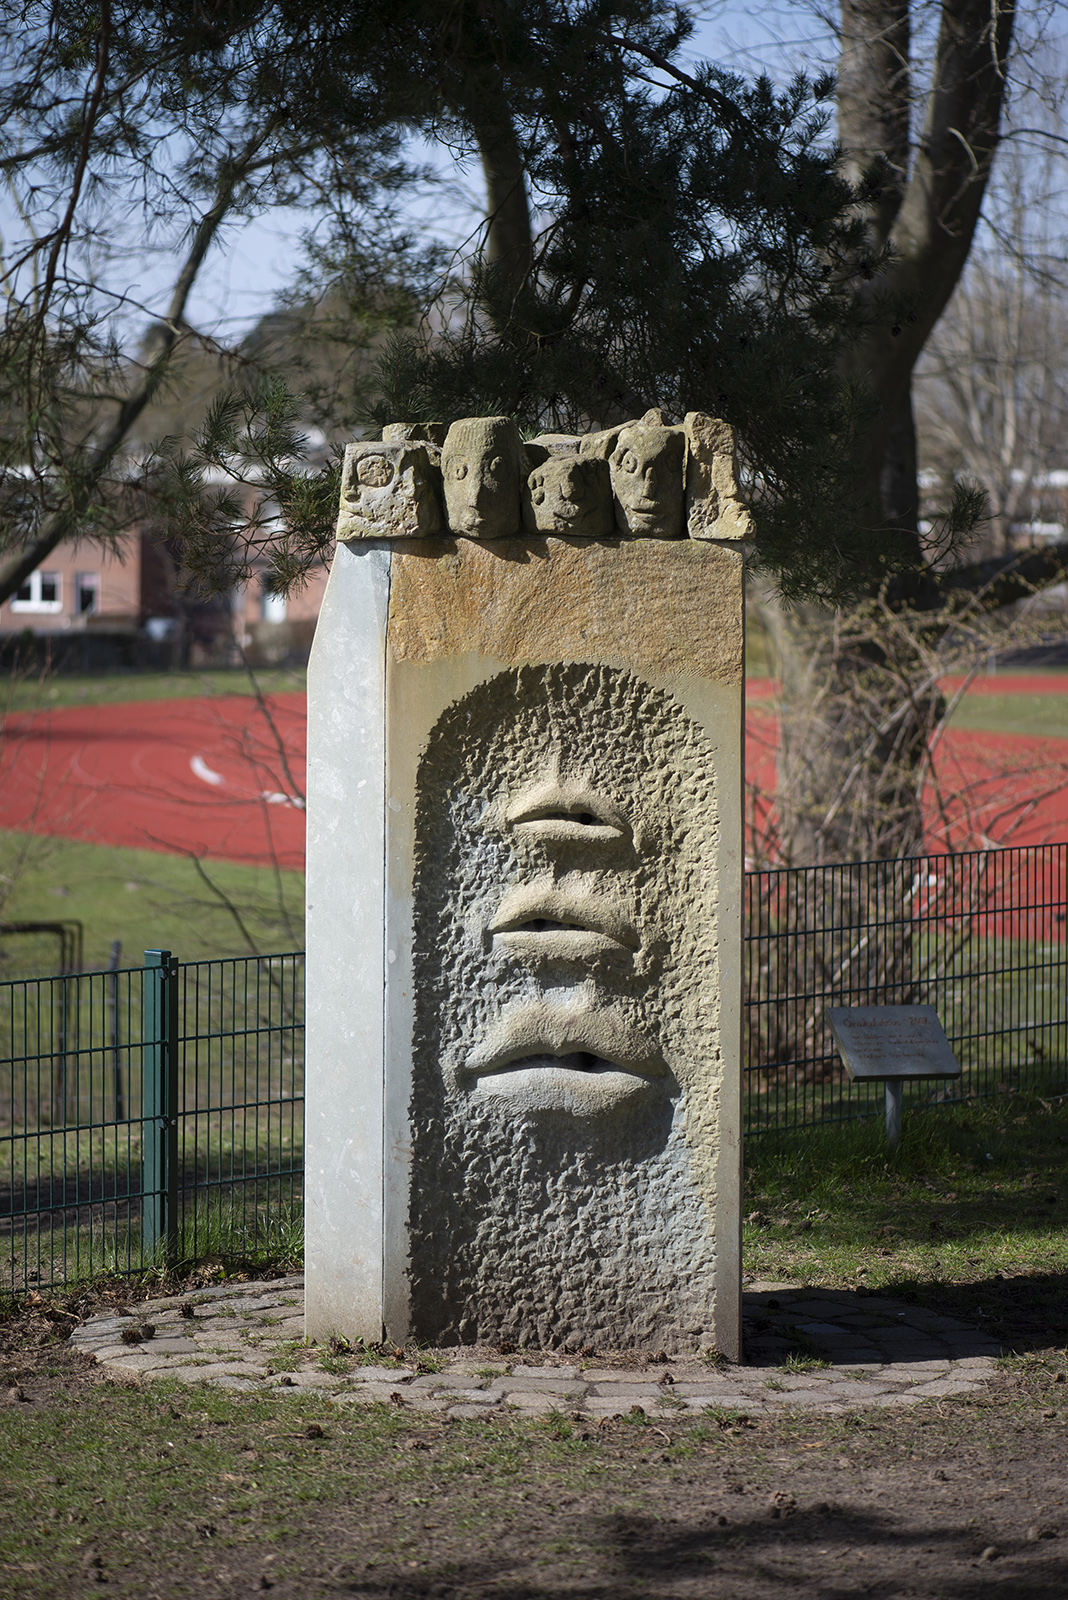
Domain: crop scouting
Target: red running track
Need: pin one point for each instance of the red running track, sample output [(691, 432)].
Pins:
[(220, 779), (988, 789), (217, 779)]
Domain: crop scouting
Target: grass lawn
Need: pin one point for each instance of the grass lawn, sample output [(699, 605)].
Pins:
[(169, 1491), (974, 1204), (145, 899), (52, 691), (1042, 715)]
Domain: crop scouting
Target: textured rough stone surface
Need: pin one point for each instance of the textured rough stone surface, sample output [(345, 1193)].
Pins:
[(714, 508), (666, 607), (388, 491), (428, 432), (566, 1066)]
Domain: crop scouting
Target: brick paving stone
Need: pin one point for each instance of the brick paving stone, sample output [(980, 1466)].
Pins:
[(943, 1386), (386, 1391), (133, 1359), (531, 1386), (796, 1397), (717, 1400), (472, 1397), (558, 1374), (215, 1370), (626, 1391), (312, 1378), (902, 1356), (682, 1391), (616, 1374), (535, 1404), (610, 1408)]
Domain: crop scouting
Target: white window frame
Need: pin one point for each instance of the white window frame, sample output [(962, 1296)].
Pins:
[(35, 603)]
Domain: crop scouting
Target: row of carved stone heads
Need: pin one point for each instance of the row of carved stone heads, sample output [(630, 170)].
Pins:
[(646, 479)]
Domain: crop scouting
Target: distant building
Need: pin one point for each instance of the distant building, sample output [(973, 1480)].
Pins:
[(90, 607)]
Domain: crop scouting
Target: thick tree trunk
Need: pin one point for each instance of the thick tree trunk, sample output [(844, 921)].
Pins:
[(850, 770), (853, 738)]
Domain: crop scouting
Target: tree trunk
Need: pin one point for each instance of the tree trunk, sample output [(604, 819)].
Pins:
[(850, 769), (854, 735)]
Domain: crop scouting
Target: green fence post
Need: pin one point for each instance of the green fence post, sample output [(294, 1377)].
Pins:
[(159, 1099)]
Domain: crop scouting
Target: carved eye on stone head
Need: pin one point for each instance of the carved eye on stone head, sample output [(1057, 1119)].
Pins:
[(496, 464), (628, 461), (374, 471), (459, 470)]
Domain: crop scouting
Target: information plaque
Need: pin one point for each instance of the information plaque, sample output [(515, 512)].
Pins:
[(892, 1042)]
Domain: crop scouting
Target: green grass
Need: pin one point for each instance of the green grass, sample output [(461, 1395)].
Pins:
[(256, 1238), (50, 692), (145, 899), (1041, 715), (974, 1191)]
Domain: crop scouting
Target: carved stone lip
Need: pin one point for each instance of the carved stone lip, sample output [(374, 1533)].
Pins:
[(567, 811), (569, 921), (583, 1047)]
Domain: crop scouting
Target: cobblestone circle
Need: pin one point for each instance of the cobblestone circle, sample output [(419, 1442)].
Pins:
[(824, 1350)]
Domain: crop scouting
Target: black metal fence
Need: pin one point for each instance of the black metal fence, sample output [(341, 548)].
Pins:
[(983, 937), (157, 1112), (149, 1114)]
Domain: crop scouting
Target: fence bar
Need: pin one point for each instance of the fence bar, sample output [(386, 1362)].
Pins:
[(159, 1157)]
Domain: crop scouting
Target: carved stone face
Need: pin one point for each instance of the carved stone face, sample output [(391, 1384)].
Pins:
[(647, 480), (568, 883), (566, 982), (480, 463), (388, 492), (572, 495)]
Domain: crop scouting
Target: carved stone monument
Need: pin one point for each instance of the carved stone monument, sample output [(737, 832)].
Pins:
[(524, 893)]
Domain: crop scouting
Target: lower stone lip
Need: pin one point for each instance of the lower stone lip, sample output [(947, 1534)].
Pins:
[(580, 1063), (581, 1042)]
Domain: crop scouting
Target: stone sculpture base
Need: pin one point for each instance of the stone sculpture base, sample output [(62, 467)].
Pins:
[(524, 944)]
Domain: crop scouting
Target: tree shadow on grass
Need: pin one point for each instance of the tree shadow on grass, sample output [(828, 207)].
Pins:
[(825, 1551)]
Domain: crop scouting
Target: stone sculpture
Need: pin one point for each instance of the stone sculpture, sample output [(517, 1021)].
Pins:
[(569, 495), (660, 481), (714, 508), (388, 492), (481, 463), (524, 895)]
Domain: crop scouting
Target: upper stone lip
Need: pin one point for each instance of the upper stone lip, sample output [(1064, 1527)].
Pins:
[(540, 1032), (568, 811), (568, 911)]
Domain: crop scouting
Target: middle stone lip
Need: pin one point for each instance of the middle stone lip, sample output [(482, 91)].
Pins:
[(569, 917), (543, 1033)]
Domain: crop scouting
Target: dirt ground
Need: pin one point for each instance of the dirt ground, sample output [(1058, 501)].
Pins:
[(152, 1493)]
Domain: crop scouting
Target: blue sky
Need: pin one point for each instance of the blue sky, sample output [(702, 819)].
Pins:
[(239, 282)]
